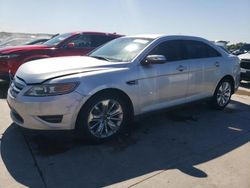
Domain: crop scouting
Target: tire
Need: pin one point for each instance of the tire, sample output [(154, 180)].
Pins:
[(111, 113), (222, 94)]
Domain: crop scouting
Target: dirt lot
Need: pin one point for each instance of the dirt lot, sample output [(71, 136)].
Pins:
[(193, 146)]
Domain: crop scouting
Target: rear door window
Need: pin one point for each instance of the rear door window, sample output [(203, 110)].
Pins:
[(198, 49), (81, 41), (99, 40)]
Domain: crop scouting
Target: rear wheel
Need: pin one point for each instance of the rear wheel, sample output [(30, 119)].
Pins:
[(222, 94), (103, 117)]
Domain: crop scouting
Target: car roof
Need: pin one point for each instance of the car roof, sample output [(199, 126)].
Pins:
[(176, 37), (94, 32), (157, 36)]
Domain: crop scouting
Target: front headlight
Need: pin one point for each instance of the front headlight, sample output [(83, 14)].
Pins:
[(51, 89), (8, 56)]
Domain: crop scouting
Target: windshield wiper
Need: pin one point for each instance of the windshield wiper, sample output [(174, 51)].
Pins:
[(100, 57)]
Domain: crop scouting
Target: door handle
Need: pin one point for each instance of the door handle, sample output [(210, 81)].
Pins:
[(181, 68), (217, 64)]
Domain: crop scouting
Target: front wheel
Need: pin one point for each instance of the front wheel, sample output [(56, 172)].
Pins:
[(222, 94), (103, 117)]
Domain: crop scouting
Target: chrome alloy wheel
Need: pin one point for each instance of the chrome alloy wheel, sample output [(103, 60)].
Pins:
[(223, 94), (105, 118)]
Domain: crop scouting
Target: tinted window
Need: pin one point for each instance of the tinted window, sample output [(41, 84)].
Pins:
[(81, 41), (172, 50), (197, 49), (99, 40)]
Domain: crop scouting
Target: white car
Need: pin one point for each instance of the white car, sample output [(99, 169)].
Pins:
[(98, 95), (245, 66)]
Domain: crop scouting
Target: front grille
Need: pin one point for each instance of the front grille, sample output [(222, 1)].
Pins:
[(245, 63), (16, 86)]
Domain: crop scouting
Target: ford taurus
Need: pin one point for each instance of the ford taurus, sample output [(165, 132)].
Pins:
[(98, 95)]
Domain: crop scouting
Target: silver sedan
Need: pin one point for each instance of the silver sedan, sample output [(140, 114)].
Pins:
[(98, 95)]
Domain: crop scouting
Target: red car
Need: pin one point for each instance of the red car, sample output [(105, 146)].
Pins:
[(68, 44)]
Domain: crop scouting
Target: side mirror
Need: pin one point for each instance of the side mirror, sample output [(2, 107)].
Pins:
[(71, 45), (154, 59)]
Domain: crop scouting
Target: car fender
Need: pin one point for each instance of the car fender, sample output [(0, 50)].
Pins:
[(129, 90)]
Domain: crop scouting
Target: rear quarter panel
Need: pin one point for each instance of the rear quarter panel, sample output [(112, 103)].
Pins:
[(231, 66)]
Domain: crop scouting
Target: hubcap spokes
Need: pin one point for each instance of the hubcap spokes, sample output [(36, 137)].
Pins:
[(224, 93), (105, 118)]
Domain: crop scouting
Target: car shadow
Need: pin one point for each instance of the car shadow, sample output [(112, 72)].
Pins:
[(3, 89), (176, 139)]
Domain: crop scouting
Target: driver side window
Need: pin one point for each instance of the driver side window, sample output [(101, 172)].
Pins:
[(81, 41), (172, 50)]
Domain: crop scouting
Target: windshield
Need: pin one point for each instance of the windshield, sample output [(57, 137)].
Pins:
[(56, 40), (121, 49)]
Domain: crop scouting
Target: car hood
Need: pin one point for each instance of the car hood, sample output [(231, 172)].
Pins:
[(38, 71), (244, 56), (7, 50)]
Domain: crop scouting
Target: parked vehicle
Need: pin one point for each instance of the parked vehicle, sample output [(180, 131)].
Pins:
[(68, 44), (36, 41), (221, 43), (40, 40), (98, 95), (15, 42), (244, 49), (245, 66)]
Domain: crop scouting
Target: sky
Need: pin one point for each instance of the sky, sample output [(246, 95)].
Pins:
[(212, 19)]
